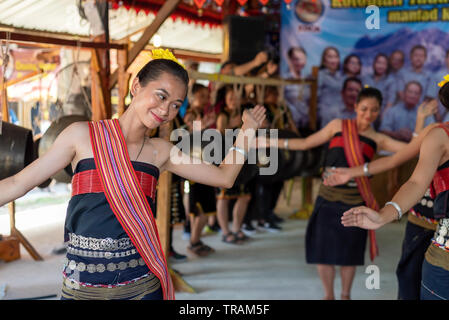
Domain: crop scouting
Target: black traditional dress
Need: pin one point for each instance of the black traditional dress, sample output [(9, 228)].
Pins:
[(327, 240), (101, 261)]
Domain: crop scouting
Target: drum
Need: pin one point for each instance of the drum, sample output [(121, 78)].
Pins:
[(16, 149)]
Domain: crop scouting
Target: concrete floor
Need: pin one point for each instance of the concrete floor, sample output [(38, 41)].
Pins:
[(271, 266)]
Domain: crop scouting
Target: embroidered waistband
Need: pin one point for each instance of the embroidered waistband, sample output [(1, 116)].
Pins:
[(100, 254), (100, 267), (422, 221), (348, 196), (107, 244)]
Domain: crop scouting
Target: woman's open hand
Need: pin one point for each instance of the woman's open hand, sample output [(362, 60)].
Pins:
[(362, 217), (253, 118)]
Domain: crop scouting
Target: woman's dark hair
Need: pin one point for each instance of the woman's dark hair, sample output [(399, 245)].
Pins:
[(381, 55), (155, 68), (443, 95), (346, 61), (322, 66), (370, 92)]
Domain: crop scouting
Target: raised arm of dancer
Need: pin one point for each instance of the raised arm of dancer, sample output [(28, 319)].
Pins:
[(432, 153), (225, 174), (342, 175), (314, 140)]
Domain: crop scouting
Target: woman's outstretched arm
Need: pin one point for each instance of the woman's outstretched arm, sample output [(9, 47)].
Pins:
[(57, 158), (433, 149), (225, 174), (342, 175)]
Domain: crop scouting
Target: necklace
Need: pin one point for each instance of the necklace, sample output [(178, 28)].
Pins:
[(141, 148)]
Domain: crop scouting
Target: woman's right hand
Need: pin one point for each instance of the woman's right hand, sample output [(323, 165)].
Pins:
[(337, 176), (253, 118), (362, 217)]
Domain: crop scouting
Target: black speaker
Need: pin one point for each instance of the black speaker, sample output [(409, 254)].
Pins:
[(244, 37)]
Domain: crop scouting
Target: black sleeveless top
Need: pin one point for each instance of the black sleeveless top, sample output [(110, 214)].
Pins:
[(335, 156), (90, 215)]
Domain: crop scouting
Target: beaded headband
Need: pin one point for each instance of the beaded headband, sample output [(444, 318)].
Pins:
[(165, 54)]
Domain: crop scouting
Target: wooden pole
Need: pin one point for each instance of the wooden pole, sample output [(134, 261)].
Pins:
[(3, 97), (100, 69), (164, 198), (164, 12), (123, 80)]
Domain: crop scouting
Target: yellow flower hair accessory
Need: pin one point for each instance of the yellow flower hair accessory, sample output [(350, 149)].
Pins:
[(366, 86), (446, 80), (165, 54)]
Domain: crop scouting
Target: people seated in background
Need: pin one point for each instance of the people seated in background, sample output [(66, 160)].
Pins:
[(233, 69), (198, 199), (230, 118), (380, 79), (344, 104), (329, 82), (399, 121), (297, 96), (395, 64), (352, 66), (201, 104), (416, 72), (432, 90)]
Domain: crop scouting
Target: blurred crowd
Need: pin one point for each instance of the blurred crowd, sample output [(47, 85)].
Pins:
[(404, 88)]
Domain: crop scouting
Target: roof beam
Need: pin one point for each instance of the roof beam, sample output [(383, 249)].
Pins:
[(165, 11), (23, 37)]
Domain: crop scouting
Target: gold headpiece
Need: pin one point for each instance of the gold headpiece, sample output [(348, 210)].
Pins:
[(165, 54), (446, 80)]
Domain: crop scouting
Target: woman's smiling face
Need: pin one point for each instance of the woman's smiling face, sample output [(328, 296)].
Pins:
[(159, 100)]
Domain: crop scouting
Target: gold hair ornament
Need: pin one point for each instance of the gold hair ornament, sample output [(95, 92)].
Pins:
[(165, 54), (446, 80)]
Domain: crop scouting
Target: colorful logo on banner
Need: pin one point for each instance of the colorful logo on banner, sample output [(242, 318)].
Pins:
[(309, 11)]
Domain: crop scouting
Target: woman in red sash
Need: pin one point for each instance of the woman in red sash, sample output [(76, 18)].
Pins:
[(113, 247), (351, 142), (421, 224), (432, 169)]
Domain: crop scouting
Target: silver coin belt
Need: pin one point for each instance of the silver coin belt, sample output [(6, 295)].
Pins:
[(100, 268), (441, 236), (100, 254), (107, 244)]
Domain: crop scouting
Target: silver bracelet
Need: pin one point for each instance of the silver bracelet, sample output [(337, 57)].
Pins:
[(286, 144), (365, 169), (415, 134), (239, 150), (397, 207)]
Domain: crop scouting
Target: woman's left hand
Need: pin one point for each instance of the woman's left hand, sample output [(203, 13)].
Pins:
[(362, 217)]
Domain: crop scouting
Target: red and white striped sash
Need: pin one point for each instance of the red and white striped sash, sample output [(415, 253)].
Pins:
[(127, 199)]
